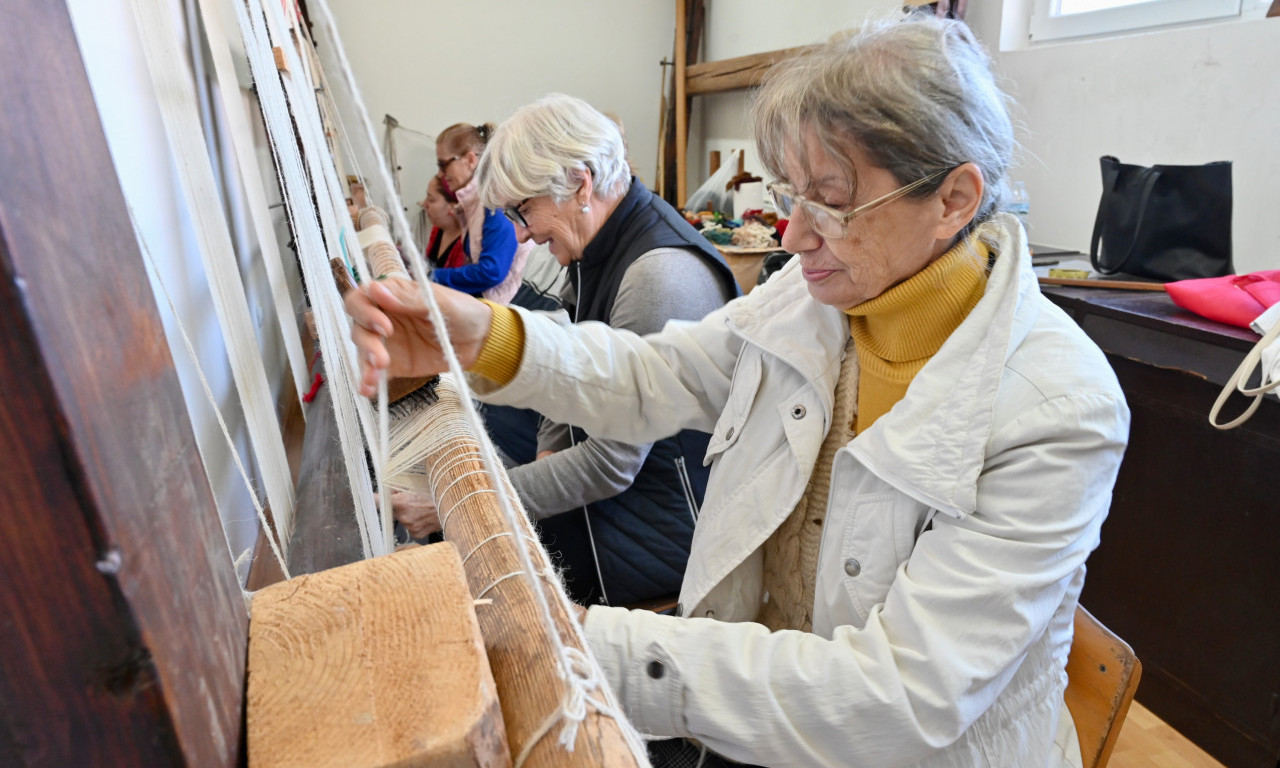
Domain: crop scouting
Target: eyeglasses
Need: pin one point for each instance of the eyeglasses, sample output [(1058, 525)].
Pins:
[(513, 214), (827, 221), (442, 164)]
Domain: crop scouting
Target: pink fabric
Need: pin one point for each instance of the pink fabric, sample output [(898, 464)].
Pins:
[(473, 225), (1233, 299)]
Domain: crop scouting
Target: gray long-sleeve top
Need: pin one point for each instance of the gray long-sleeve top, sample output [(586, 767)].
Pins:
[(663, 284)]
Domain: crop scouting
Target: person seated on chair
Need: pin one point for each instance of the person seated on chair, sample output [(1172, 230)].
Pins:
[(913, 450), (495, 260), (620, 515), (444, 244), (616, 516)]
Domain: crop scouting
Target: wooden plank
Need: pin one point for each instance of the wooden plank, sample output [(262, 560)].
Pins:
[(682, 106), (108, 515), (378, 663), (520, 653), (325, 533), (1102, 675), (736, 73), (1121, 285)]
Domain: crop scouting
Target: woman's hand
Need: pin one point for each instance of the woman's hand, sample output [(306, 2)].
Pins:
[(393, 333), (416, 512)]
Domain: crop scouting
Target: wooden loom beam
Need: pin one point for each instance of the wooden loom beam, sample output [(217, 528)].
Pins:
[(734, 74), (107, 510), (698, 79), (514, 634)]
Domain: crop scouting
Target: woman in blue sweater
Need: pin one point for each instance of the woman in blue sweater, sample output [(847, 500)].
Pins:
[(495, 259)]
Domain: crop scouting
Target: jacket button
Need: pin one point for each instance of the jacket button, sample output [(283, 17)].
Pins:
[(710, 614), (656, 670), (798, 411), (852, 567), (679, 611), (729, 435)]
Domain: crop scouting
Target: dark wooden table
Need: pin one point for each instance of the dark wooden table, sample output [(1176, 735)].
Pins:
[(1189, 567)]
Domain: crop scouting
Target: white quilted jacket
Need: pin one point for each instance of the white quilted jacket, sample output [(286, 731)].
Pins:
[(956, 535)]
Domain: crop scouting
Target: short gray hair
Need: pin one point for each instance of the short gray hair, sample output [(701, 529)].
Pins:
[(538, 149), (917, 94)]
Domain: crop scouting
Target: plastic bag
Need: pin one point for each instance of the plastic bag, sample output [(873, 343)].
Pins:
[(713, 195)]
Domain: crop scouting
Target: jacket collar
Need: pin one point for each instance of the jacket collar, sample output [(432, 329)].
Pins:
[(605, 241), (930, 445), (783, 319)]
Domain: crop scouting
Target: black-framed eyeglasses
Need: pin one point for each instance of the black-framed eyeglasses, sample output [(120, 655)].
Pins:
[(827, 221), (442, 164), (513, 214)]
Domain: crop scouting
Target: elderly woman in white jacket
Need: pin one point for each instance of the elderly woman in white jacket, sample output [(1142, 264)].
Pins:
[(912, 454)]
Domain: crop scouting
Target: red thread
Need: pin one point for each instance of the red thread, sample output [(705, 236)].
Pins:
[(315, 387)]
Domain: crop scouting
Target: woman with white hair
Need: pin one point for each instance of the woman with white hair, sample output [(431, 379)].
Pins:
[(913, 450), (617, 516)]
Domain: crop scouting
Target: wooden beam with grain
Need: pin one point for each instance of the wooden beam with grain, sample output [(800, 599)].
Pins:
[(124, 626), (734, 74), (371, 665), (520, 653)]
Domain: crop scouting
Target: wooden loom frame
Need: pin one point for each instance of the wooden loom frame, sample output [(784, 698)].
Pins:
[(108, 514), (709, 77)]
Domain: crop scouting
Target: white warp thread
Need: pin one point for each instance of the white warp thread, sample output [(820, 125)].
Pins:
[(323, 174), (314, 252), (213, 403), (175, 94), (576, 683), (255, 194)]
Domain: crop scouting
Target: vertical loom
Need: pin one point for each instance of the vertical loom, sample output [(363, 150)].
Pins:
[(125, 631), (107, 513)]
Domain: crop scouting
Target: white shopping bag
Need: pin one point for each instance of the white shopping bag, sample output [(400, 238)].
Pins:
[(1264, 355)]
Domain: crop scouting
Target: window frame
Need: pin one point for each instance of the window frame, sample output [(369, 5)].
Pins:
[(1045, 25)]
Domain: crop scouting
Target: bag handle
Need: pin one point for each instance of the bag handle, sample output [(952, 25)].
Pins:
[(1238, 379), (1110, 176)]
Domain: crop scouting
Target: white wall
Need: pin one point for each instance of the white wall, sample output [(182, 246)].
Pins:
[(719, 121), (432, 63), (1176, 96)]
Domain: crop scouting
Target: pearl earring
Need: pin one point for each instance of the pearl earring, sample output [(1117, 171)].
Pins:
[(586, 209)]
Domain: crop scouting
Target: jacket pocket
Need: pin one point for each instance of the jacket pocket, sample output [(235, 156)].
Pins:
[(742, 394), (878, 536)]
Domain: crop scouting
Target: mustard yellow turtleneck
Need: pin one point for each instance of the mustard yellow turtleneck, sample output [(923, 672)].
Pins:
[(892, 336), (897, 332)]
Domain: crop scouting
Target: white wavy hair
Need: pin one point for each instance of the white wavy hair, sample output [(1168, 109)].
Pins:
[(545, 147)]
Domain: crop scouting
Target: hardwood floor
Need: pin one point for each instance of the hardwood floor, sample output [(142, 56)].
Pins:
[(1146, 741)]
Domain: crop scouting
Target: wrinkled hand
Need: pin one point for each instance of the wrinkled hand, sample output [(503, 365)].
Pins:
[(393, 333), (952, 9), (416, 512)]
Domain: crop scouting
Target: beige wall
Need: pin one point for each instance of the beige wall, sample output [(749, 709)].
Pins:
[(432, 63), (1188, 95)]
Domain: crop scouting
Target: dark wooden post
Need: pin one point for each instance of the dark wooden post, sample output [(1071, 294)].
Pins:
[(122, 627)]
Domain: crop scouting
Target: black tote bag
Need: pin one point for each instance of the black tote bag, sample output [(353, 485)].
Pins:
[(1168, 222)]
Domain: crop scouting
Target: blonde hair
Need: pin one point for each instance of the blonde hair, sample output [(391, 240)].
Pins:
[(460, 138)]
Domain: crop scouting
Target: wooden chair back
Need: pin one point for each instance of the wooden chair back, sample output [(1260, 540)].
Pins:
[(1102, 675)]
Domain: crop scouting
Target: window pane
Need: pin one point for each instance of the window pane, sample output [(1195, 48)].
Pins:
[(1066, 7)]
